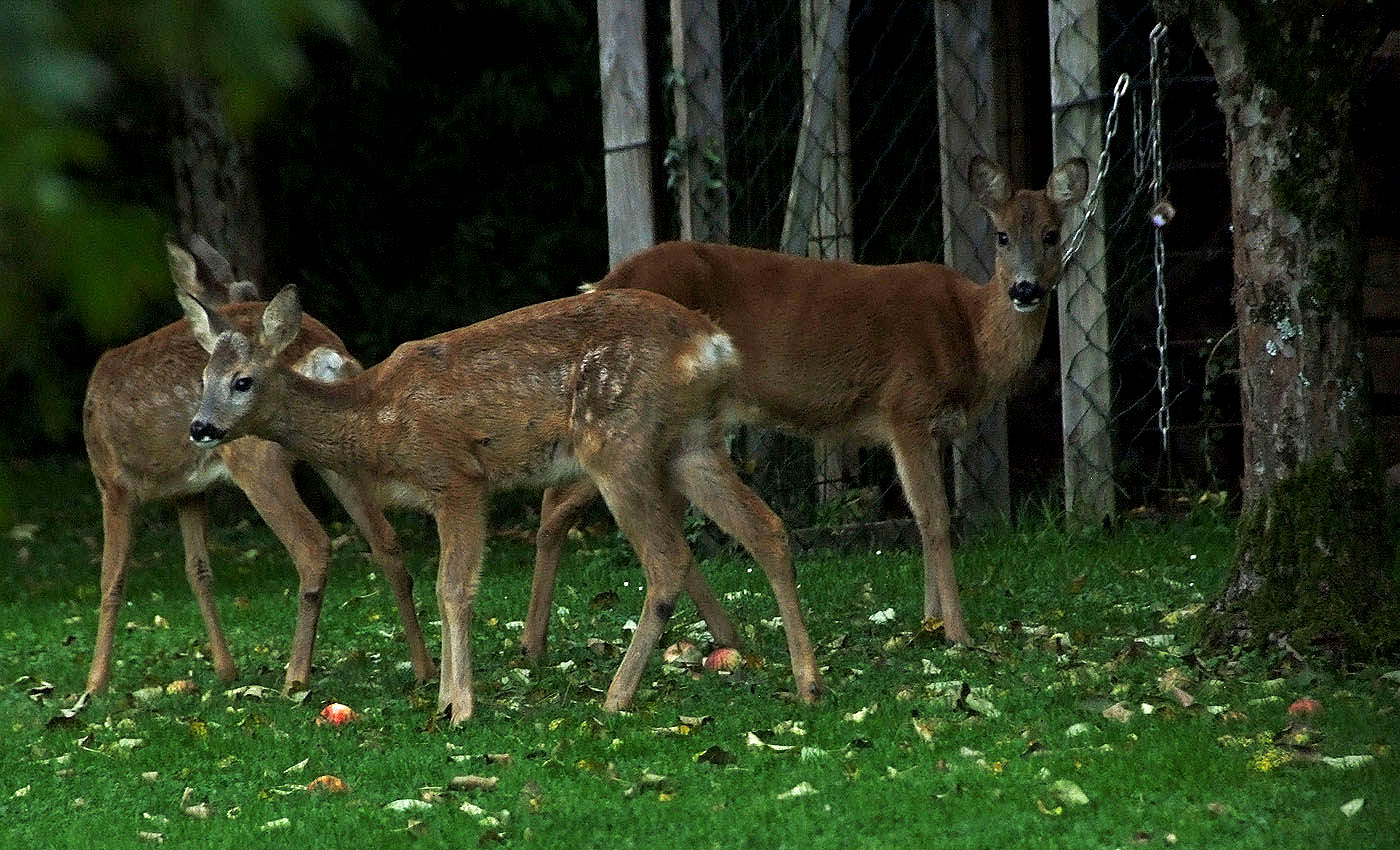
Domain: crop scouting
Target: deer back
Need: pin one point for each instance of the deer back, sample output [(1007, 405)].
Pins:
[(821, 338), (141, 396), (528, 388)]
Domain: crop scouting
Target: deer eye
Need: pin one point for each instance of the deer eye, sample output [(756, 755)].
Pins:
[(241, 384), (1052, 237), (1002, 238)]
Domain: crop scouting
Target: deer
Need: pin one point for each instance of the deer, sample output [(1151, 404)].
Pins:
[(140, 398), (619, 388), (903, 356)]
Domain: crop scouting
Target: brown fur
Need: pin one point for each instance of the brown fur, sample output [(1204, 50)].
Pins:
[(620, 387), (136, 415), (903, 355)]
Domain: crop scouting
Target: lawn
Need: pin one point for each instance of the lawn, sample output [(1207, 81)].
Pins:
[(1081, 720)]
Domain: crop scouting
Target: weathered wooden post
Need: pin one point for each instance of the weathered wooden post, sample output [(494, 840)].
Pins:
[(981, 472), (622, 67), (1075, 94), (699, 139)]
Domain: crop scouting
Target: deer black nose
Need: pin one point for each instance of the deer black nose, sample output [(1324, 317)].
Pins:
[(1025, 294), (205, 432)]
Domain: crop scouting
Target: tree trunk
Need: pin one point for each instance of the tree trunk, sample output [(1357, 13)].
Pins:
[(1314, 565), (215, 190)]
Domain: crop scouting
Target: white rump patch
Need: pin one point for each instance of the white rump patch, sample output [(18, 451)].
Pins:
[(326, 365), (712, 353)]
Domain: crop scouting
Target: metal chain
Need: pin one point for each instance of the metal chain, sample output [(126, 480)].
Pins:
[(1076, 241), (1161, 214)]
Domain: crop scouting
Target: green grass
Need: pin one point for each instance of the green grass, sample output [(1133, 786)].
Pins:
[(915, 745)]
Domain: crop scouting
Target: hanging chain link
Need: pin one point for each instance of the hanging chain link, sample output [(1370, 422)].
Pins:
[(1076, 240), (1160, 216)]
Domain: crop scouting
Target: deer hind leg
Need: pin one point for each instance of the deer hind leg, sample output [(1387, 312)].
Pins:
[(648, 518), (559, 510), (384, 548), (263, 471), (918, 458), (708, 479), (117, 508), (461, 529), (194, 524)]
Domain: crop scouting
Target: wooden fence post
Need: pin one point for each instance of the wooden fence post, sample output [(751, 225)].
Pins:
[(1075, 94), (622, 67), (829, 234), (966, 127), (698, 145)]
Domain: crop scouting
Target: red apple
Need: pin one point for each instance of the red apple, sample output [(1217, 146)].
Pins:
[(328, 783), (724, 660), (338, 714), (1304, 707)]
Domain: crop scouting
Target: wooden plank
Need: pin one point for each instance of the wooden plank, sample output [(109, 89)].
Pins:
[(967, 127), (1381, 303), (1383, 352), (627, 144), (830, 235), (695, 52), (1077, 116)]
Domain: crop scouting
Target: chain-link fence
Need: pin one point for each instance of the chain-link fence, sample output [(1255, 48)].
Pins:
[(844, 128)]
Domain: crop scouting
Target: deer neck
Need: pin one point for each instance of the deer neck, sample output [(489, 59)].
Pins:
[(324, 422), (1007, 340)]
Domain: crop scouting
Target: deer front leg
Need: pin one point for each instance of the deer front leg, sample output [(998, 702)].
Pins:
[(709, 481), (384, 548), (194, 521), (263, 471), (918, 458), (461, 529), (117, 508)]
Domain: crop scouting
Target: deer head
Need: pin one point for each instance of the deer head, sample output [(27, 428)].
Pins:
[(239, 367), (1027, 224)]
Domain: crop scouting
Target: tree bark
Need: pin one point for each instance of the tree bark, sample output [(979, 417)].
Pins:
[(1313, 566), (215, 189)]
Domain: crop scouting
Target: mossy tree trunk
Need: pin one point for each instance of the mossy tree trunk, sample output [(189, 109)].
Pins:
[(1314, 564)]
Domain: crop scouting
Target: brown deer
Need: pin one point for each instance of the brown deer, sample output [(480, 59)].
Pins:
[(136, 415), (619, 387), (903, 356)]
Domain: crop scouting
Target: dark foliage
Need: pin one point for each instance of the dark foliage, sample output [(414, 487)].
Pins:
[(444, 173)]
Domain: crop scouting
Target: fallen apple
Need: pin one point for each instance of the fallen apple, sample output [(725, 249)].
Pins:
[(328, 783), (724, 660), (338, 714), (1304, 706)]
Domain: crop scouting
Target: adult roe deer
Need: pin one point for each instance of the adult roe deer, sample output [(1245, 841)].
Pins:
[(620, 387), (136, 415), (903, 356)]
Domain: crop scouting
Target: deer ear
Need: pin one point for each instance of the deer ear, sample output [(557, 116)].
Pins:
[(206, 324), (1068, 183), (281, 321), (218, 266), (243, 290), (183, 269), (991, 185)]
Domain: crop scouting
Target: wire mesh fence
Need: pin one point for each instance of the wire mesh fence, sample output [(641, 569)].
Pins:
[(844, 129)]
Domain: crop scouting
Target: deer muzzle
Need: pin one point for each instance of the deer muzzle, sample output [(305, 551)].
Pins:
[(206, 433), (1026, 295)]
